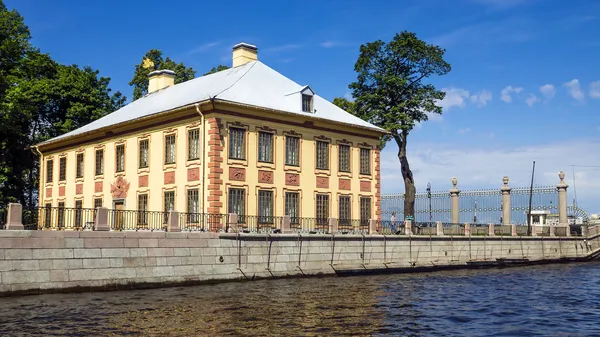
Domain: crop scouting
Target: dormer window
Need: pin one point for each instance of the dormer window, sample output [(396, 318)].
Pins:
[(306, 103), (307, 99)]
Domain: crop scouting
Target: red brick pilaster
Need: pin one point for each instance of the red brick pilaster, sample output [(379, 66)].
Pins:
[(215, 169), (377, 185)]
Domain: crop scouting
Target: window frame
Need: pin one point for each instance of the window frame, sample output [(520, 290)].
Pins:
[(99, 162), (78, 214), (366, 161), (365, 201), (288, 203), (345, 206), (307, 103), (142, 209), (240, 194), (242, 144), (170, 149), (266, 212), (119, 168), (289, 159), (270, 152), (62, 169), (79, 165), (322, 215), (194, 131), (327, 155), (165, 199), (349, 158), (193, 216), (141, 156), (49, 171)]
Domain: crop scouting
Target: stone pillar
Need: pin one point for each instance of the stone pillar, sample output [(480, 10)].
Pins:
[(286, 224), (513, 230), (505, 201), (232, 223), (454, 195), (333, 226), (552, 230), (373, 226), (408, 227), (562, 200), (584, 231), (14, 219), (568, 229), (173, 222), (101, 221), (491, 231), (439, 228), (467, 229)]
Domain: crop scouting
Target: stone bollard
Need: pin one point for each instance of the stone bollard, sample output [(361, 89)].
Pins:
[(584, 231), (467, 229), (408, 227), (568, 230), (373, 226), (101, 221), (454, 192), (439, 228), (562, 200), (14, 219), (286, 227), (491, 231), (173, 222), (232, 223), (513, 230), (552, 230), (505, 201), (333, 226)]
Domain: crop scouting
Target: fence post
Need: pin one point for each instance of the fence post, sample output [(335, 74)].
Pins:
[(505, 201), (173, 222), (285, 224), (439, 228), (454, 195), (408, 227), (101, 221), (14, 219), (513, 230), (333, 226), (491, 231), (467, 229), (372, 226), (232, 222), (562, 200)]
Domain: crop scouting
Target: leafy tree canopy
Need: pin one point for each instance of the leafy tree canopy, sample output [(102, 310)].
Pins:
[(220, 67), (139, 82), (391, 92)]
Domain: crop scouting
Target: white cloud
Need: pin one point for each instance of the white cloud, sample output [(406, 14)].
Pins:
[(455, 97), (482, 98), (333, 44), (282, 48), (479, 167), (574, 89), (506, 93), (548, 90), (531, 100), (595, 89), (202, 48)]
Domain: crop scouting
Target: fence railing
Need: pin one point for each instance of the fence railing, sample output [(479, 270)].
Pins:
[(130, 220), (203, 222)]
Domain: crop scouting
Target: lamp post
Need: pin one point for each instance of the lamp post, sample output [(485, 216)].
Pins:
[(429, 197)]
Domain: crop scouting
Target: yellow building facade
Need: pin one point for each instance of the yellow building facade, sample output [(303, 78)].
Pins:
[(220, 156)]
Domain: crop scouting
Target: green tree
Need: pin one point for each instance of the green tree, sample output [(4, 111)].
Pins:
[(220, 67), (391, 92), (140, 75), (39, 99)]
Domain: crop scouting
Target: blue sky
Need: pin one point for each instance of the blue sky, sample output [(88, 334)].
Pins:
[(524, 84)]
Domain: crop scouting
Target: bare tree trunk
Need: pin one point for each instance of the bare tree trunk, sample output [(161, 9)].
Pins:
[(407, 176)]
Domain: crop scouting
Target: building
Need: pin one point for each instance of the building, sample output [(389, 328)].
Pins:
[(246, 140)]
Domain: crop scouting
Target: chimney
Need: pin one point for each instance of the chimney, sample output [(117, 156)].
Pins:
[(244, 53), (160, 79)]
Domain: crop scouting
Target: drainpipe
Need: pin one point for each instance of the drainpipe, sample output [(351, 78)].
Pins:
[(203, 163), (41, 177)]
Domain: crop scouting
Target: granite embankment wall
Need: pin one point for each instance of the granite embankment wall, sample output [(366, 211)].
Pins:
[(40, 261)]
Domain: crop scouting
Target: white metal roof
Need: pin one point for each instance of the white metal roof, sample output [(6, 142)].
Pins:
[(253, 83)]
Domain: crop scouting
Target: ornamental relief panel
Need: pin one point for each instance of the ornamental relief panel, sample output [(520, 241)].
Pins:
[(292, 179), (237, 174), (265, 177), (119, 188)]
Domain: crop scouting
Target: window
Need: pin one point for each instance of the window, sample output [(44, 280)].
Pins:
[(48, 215), (193, 144), (237, 203), (344, 208), (292, 151), (79, 166), (78, 214), (365, 161), (307, 103), (292, 206), (322, 212), (169, 203), (142, 208), (322, 155), (365, 210), (49, 170), (144, 145), (344, 158), (237, 143), (97, 203), (120, 158), (265, 147), (62, 169), (99, 162), (170, 149), (193, 206), (61, 214), (265, 207)]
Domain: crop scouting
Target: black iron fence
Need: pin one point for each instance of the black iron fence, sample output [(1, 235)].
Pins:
[(203, 222), (129, 220)]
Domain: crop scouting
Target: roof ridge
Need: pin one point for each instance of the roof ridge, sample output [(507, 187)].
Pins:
[(236, 81)]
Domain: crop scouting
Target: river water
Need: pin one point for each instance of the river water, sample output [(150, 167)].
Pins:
[(550, 300)]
